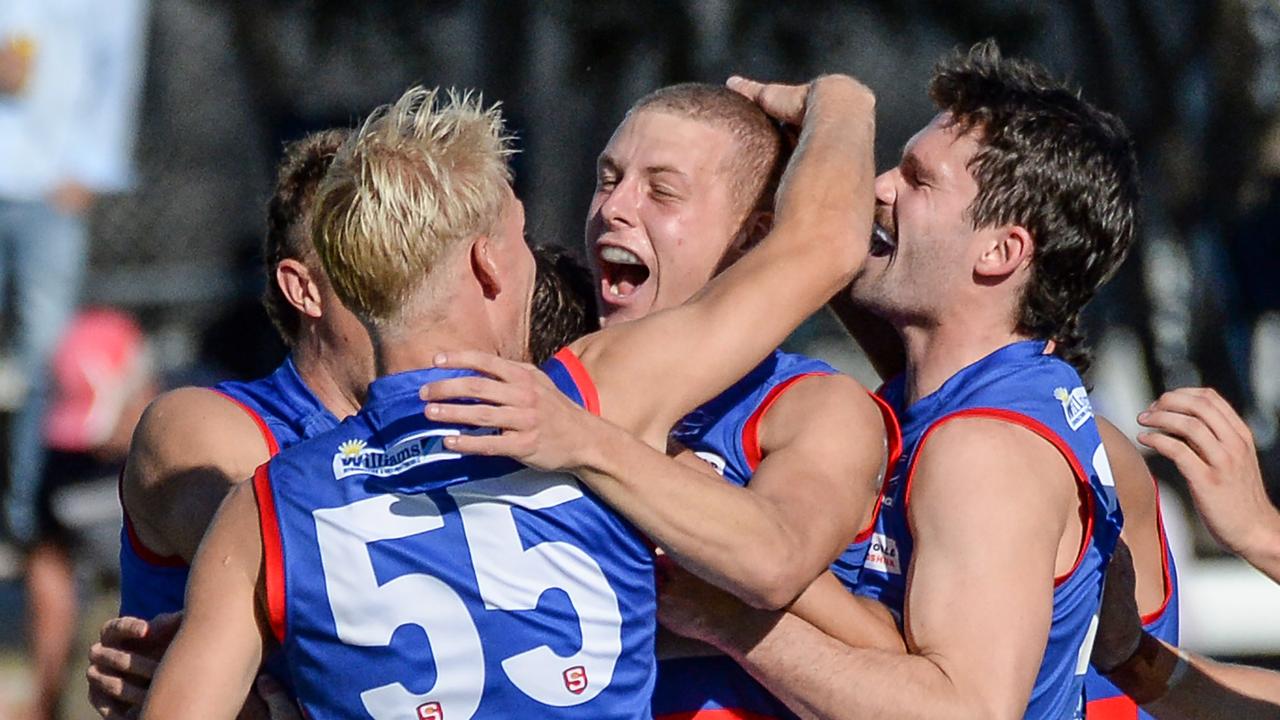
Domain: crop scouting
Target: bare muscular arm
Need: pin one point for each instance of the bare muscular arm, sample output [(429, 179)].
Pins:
[(190, 448), (209, 669), (823, 454), (992, 539)]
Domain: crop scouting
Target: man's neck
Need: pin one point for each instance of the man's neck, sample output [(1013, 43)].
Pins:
[(317, 369), (414, 351), (937, 352)]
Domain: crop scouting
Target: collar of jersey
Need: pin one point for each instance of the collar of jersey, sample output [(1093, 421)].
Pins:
[(927, 408), (392, 391), (311, 413)]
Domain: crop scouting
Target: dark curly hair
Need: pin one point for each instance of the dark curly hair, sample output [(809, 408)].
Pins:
[(563, 303), (297, 177), (1054, 164)]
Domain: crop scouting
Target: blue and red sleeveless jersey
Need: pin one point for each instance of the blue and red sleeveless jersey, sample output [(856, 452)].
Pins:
[(1019, 384), (1104, 701), (407, 581), (286, 411), (725, 433)]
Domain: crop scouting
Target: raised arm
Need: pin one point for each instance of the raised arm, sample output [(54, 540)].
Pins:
[(652, 371), (215, 656)]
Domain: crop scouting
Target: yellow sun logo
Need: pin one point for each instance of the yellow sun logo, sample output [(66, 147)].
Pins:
[(1062, 395), (351, 448)]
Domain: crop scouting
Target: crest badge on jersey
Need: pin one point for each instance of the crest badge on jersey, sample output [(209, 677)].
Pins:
[(1075, 406), (883, 555), (430, 711), (575, 679)]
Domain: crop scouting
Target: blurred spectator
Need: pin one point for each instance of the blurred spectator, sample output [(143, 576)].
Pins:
[(70, 73), (102, 381)]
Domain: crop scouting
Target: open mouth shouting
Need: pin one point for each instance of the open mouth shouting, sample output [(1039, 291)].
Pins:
[(884, 234), (623, 275)]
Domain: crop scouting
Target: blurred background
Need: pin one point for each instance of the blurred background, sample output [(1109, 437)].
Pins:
[(171, 114)]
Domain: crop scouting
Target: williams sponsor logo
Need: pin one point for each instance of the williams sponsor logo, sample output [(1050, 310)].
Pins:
[(354, 457), (1075, 406), (883, 555)]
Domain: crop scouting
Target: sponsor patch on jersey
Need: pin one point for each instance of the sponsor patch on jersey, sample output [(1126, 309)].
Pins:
[(1075, 406), (883, 555), (355, 457), (430, 711)]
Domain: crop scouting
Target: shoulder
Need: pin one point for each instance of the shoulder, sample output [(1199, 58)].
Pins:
[(810, 400), (970, 459), (192, 429), (833, 406)]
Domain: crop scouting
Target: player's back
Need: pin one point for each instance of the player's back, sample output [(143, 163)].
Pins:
[(406, 581)]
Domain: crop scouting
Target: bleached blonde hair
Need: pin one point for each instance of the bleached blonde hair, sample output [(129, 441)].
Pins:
[(418, 177)]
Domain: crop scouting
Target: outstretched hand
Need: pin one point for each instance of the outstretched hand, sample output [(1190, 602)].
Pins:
[(1213, 449), (538, 425)]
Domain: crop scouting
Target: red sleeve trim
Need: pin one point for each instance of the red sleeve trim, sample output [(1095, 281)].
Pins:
[(272, 551), (1040, 429), (717, 714), (751, 430), (1164, 563), (145, 553), (1119, 707), (267, 435), (581, 378), (893, 453)]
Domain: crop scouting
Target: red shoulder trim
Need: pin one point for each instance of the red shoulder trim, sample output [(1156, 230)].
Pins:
[(147, 555), (715, 714), (272, 551), (267, 435), (1119, 707), (1040, 429), (581, 378), (893, 438), (751, 430), (1164, 563)]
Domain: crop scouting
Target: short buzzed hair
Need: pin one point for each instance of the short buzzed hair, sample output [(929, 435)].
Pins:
[(288, 234), (417, 178), (757, 166)]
